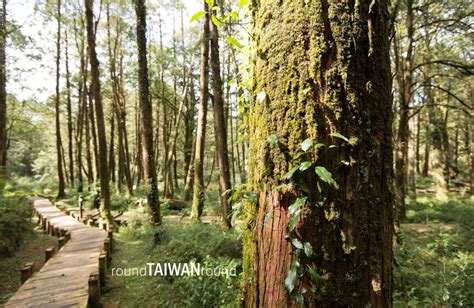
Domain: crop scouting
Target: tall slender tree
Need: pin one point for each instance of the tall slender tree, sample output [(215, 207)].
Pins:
[(69, 111), (96, 93), (220, 126), (320, 67), (3, 94), (59, 151), (198, 191), (146, 116)]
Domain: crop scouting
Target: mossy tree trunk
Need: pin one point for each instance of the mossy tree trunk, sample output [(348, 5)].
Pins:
[(220, 128), (102, 142), (3, 95), (146, 116), (198, 187), (324, 66)]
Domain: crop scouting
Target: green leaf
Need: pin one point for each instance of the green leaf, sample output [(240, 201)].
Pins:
[(261, 96), (305, 165), (338, 135), (299, 299), (307, 144), (243, 3), (215, 20), (324, 174), (319, 145), (293, 220), (296, 205), (272, 140), (315, 277), (210, 2), (296, 242), (290, 280), (197, 16), (235, 15), (308, 249), (290, 173), (268, 216), (233, 42)]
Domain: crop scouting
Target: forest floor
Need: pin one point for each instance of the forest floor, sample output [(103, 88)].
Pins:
[(32, 248), (435, 254)]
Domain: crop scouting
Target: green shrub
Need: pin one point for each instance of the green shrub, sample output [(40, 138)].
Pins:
[(15, 216)]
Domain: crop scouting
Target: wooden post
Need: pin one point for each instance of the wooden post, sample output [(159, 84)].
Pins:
[(25, 274), (94, 291), (110, 235), (62, 232), (48, 253), (90, 222), (107, 250), (56, 231), (61, 242), (43, 222), (102, 267), (81, 206), (50, 228), (68, 235), (84, 220), (67, 212)]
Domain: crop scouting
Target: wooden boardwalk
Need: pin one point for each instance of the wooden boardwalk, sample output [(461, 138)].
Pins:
[(71, 274)]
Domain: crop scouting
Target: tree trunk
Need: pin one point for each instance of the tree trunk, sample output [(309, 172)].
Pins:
[(61, 184), (198, 187), (151, 185), (404, 80), (69, 113), (310, 79), (220, 128), (102, 142), (3, 95)]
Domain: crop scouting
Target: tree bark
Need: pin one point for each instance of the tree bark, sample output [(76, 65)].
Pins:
[(102, 142), (323, 67), (198, 187), (151, 185), (3, 95), (220, 128), (61, 183)]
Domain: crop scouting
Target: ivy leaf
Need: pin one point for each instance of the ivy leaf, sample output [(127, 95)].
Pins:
[(296, 205), (338, 135), (197, 16), (315, 277), (243, 3), (215, 20), (296, 242), (299, 299), (293, 220), (233, 42), (290, 280), (210, 2), (272, 140), (324, 174), (261, 96), (305, 165), (268, 216), (308, 249), (307, 144), (290, 173)]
